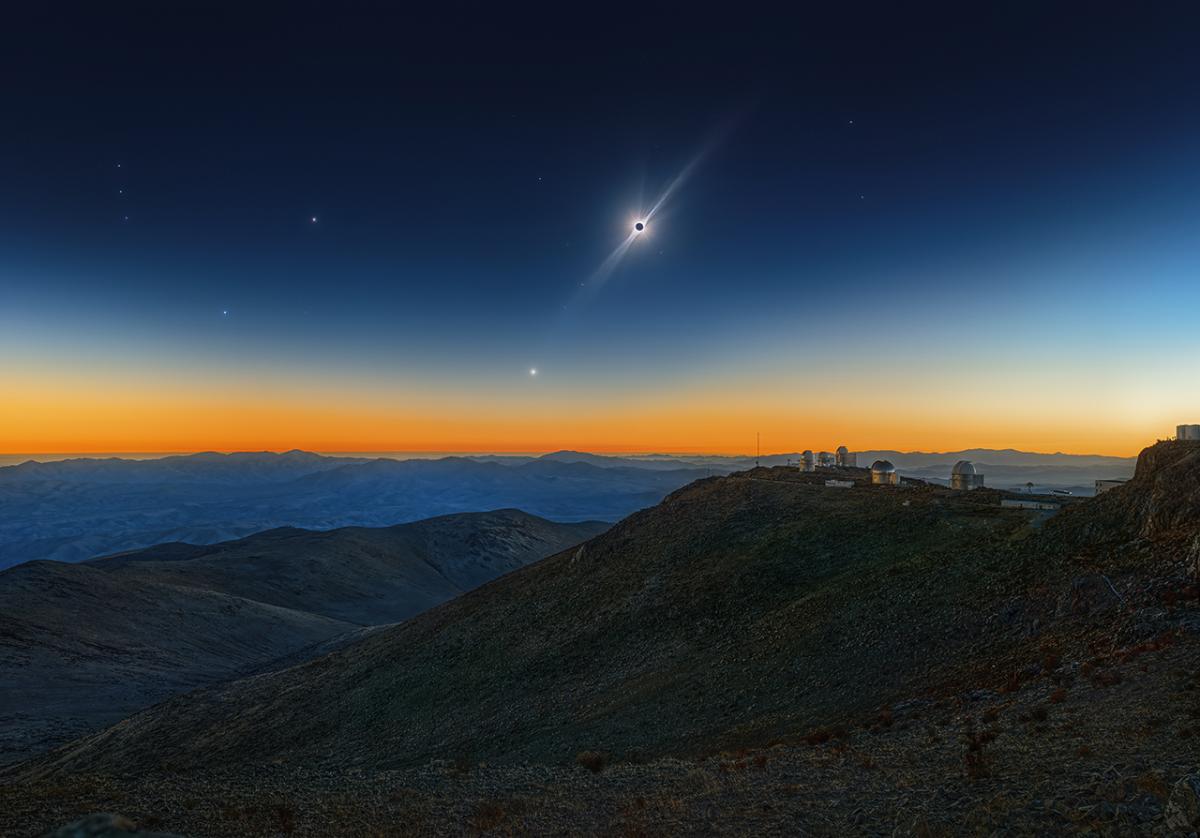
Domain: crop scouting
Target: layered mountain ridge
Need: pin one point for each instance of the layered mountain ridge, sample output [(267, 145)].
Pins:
[(83, 645)]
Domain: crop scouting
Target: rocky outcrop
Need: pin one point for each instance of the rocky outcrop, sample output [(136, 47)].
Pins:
[(1183, 808), (1161, 504)]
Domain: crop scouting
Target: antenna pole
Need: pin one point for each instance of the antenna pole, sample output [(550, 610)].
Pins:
[(757, 448)]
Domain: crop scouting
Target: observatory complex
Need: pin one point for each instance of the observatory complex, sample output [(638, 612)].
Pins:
[(964, 477), (843, 458), (1188, 432)]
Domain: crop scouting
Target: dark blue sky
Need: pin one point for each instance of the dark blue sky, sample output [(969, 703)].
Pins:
[(470, 167)]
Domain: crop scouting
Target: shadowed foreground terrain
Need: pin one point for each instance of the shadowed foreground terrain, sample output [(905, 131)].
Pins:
[(84, 645), (758, 653)]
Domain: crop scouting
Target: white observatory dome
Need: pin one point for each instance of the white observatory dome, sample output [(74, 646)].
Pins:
[(964, 476)]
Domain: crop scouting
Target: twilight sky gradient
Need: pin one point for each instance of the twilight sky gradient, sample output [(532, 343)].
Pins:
[(910, 231)]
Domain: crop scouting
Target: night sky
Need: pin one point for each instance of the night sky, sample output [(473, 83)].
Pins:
[(902, 230)]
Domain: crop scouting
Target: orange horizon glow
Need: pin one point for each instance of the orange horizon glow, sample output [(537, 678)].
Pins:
[(98, 413), (167, 429)]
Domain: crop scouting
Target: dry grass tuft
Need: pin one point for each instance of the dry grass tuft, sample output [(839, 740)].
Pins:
[(594, 761)]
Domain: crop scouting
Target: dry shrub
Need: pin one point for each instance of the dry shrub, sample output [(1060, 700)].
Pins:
[(818, 737), (1058, 696), (594, 761), (1155, 644), (1154, 784), (489, 814), (975, 762), (285, 819), (1171, 598)]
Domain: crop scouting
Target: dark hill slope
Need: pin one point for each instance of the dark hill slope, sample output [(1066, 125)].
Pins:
[(83, 645), (80, 648), (736, 610), (359, 574)]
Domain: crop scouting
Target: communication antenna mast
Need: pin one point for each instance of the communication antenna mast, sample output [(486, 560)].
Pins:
[(757, 447)]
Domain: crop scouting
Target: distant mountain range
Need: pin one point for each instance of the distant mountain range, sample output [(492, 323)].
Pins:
[(73, 510), (1008, 467), (86, 644)]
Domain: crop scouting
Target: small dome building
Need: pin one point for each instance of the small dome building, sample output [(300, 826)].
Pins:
[(845, 458), (964, 477), (808, 461), (826, 460), (883, 473)]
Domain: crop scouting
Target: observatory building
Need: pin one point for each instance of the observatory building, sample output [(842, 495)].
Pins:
[(826, 460), (1188, 432), (883, 473), (964, 477), (845, 458), (808, 462)]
